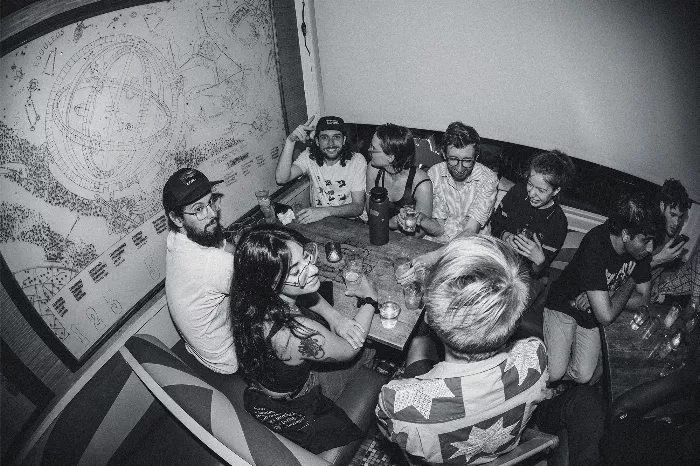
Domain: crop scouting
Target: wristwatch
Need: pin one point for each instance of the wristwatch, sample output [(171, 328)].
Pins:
[(367, 300)]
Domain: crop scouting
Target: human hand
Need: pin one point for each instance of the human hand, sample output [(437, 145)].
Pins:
[(669, 253), (301, 132), (312, 214), (365, 290), (350, 330), (581, 302), (528, 248)]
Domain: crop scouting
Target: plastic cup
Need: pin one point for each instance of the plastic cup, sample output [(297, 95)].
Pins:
[(411, 218), (401, 266), (413, 295)]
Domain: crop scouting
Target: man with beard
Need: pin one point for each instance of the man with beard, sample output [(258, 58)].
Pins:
[(199, 270), (336, 174), (609, 272), (464, 191)]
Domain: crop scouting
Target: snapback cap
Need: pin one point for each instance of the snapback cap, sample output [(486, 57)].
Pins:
[(330, 123), (184, 187)]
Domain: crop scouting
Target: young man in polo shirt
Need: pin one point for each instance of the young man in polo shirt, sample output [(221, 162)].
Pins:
[(336, 174)]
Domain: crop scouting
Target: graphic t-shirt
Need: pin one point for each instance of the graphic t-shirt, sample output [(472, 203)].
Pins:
[(331, 185), (595, 266)]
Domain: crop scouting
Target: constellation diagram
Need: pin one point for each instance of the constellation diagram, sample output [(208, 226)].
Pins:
[(40, 284), (110, 117), (50, 64), (29, 107)]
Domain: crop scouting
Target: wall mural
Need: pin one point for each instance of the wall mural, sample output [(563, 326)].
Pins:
[(96, 116)]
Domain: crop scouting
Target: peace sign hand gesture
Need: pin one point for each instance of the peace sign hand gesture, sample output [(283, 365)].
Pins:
[(302, 132)]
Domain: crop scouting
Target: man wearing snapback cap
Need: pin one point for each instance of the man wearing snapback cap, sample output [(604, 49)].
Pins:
[(336, 174), (199, 270)]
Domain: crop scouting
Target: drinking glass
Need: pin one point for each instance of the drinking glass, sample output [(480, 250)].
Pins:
[(353, 271), (389, 312), (402, 265), (410, 220), (421, 272), (640, 317), (651, 327), (263, 196), (413, 296), (526, 232)]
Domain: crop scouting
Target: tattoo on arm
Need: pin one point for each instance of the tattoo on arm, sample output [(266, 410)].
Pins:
[(309, 347)]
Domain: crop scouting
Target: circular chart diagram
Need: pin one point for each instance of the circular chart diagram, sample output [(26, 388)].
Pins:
[(111, 115)]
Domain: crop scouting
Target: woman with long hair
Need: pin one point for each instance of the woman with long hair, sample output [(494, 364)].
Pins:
[(392, 167), (278, 341), (529, 218)]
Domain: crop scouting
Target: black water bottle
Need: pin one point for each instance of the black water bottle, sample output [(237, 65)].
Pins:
[(378, 216)]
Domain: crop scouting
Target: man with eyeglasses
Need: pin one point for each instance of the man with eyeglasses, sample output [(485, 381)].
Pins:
[(199, 270), (464, 191), (336, 174)]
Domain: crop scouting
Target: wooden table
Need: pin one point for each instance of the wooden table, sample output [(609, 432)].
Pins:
[(628, 352), (353, 235)]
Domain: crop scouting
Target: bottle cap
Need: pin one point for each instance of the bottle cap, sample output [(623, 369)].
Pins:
[(378, 194)]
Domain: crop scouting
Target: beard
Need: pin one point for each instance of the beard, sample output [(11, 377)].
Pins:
[(209, 238)]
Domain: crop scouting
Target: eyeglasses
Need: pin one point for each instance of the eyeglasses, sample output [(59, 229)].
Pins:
[(310, 255), (372, 150), (200, 210), (336, 138), (466, 163)]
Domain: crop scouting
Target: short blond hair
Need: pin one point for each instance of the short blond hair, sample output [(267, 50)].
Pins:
[(475, 296)]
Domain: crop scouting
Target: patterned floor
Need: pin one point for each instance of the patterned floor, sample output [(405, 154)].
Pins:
[(377, 451)]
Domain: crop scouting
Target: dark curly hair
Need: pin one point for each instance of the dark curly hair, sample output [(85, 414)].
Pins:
[(555, 166), (673, 194), (261, 264), (316, 154), (459, 135), (637, 214)]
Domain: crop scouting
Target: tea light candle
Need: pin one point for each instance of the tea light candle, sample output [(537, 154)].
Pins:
[(333, 253)]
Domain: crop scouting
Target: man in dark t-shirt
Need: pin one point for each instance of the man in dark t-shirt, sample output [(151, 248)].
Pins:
[(610, 271)]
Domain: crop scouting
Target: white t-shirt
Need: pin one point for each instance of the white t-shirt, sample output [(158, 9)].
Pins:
[(197, 285), (331, 185)]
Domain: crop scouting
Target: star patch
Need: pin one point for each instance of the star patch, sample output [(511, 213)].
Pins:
[(488, 440), (420, 395), (522, 357)]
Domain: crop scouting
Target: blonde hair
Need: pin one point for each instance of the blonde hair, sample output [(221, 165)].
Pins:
[(475, 296)]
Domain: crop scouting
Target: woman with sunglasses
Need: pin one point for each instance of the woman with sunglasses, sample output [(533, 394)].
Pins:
[(391, 166), (281, 345)]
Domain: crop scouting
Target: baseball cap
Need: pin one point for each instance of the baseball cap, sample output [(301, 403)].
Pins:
[(184, 187), (330, 123)]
